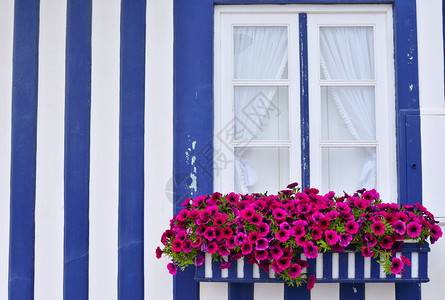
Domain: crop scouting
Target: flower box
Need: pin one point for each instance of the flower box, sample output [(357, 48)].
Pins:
[(298, 236), (329, 267)]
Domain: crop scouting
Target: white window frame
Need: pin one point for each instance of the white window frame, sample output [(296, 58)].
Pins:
[(227, 16)]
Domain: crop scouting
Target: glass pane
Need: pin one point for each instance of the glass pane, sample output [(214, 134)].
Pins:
[(261, 113), (347, 53), (261, 169), (348, 169), (260, 52), (348, 113)]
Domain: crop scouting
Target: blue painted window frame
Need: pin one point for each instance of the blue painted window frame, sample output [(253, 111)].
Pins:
[(193, 101)]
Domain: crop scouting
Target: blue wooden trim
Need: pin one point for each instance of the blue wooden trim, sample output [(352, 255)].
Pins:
[(304, 103), (327, 265), (343, 266), (408, 269), (240, 291), (77, 149), (359, 266), (375, 269), (233, 270), (411, 291), (131, 151), (248, 269), (23, 149), (352, 291), (216, 272), (293, 292)]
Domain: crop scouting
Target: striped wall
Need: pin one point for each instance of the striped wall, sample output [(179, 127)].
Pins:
[(75, 193)]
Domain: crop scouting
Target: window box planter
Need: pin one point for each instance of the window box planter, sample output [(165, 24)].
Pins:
[(329, 267)]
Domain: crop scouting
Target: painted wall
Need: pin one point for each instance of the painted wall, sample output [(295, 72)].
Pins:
[(104, 156)]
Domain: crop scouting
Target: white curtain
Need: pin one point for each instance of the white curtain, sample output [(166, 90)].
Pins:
[(347, 53), (260, 52)]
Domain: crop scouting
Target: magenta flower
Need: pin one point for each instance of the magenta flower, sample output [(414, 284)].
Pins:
[(227, 232), (323, 223), (292, 185), (399, 227), (304, 208), (279, 214), (199, 259), (396, 265), (210, 234), (230, 242), (225, 265), (219, 221), (223, 250), (367, 252), (311, 282), (413, 229), (253, 237), (345, 239), (405, 260), (343, 207), (370, 240), (276, 252), (197, 243), (282, 235), (283, 262), (301, 240), (361, 204), (263, 229), (294, 271), (275, 267), (387, 242), (436, 231), (261, 244), (187, 246), (316, 233), (256, 219), (182, 215), (310, 251), (246, 248), (351, 227), (378, 228), (177, 245), (331, 237), (232, 198), (240, 238), (261, 254), (212, 248), (298, 230), (248, 212), (172, 269), (158, 252)]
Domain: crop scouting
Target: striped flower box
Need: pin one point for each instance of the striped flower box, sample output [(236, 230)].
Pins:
[(344, 267)]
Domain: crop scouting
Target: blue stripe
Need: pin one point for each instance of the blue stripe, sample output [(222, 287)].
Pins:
[(408, 271), (131, 151), (343, 266), (411, 291), (375, 268), (216, 272), (359, 266), (23, 149), (233, 270), (304, 103), (77, 148), (352, 291), (292, 293), (240, 291), (327, 265)]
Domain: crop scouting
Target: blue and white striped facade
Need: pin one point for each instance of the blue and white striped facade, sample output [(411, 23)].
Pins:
[(87, 118)]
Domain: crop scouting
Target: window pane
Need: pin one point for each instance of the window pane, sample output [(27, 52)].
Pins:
[(260, 52), (348, 113), (261, 169), (348, 169), (347, 53), (261, 113)]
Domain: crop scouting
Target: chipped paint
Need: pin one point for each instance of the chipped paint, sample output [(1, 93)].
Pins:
[(411, 87), (193, 160), (355, 289), (194, 184), (193, 145)]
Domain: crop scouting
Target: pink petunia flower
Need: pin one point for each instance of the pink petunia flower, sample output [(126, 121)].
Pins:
[(248, 212), (158, 252), (367, 252), (331, 237), (187, 246), (261, 244), (263, 229), (378, 228), (323, 223), (240, 238), (405, 260), (224, 265), (294, 270), (282, 235), (396, 265), (276, 252), (351, 227), (298, 230), (316, 233), (399, 227), (246, 248), (279, 214), (311, 282), (261, 254), (199, 259), (413, 229), (301, 240), (387, 242), (177, 245), (436, 231), (370, 240), (212, 248), (223, 250), (310, 251), (172, 268), (345, 239), (210, 234), (283, 262)]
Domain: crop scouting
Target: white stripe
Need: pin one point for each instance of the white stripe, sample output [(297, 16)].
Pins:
[(210, 291), (267, 291), (50, 152), (414, 265), (158, 208), (379, 291), (104, 166), (367, 267), (351, 265), (335, 265), (255, 271), (6, 37), (208, 265), (319, 266), (240, 267), (325, 291)]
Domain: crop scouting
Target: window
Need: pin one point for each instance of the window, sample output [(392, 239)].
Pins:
[(260, 107)]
